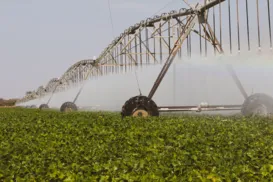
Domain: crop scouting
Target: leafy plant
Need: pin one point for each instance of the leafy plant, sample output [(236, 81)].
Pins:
[(85, 146)]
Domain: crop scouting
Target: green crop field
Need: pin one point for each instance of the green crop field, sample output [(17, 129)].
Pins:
[(84, 146)]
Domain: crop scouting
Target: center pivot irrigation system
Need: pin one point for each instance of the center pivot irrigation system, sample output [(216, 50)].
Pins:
[(163, 38)]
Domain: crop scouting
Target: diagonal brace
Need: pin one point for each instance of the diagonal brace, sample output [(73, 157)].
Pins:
[(185, 32)]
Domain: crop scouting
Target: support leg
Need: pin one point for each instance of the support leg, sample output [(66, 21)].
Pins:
[(78, 94), (237, 81)]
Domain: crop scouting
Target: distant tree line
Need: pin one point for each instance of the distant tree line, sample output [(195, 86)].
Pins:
[(9, 102)]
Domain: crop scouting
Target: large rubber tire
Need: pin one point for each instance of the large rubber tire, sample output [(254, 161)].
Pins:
[(258, 105), (68, 107), (33, 106), (139, 106), (43, 106)]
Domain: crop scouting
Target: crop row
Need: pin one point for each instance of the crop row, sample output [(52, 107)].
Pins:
[(86, 146)]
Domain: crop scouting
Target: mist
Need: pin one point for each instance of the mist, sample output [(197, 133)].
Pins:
[(188, 82)]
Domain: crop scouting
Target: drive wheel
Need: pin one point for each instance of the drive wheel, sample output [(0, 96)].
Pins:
[(258, 105), (43, 106), (68, 107), (139, 106)]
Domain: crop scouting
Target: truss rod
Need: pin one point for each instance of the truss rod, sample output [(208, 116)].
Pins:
[(247, 21), (269, 23), (162, 40), (200, 39), (229, 20), (140, 47), (214, 29), (157, 29), (180, 50), (160, 43), (121, 55), (154, 43), (219, 48), (129, 55), (220, 23), (147, 44), (205, 29), (238, 25), (136, 57), (193, 30), (258, 24), (189, 44), (188, 52), (125, 57), (169, 36), (148, 50)]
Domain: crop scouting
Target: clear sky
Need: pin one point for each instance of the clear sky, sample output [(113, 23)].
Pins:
[(40, 39)]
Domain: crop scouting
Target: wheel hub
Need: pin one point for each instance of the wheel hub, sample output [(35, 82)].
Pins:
[(68, 109), (140, 113)]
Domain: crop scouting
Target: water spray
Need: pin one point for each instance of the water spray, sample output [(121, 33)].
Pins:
[(130, 48)]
